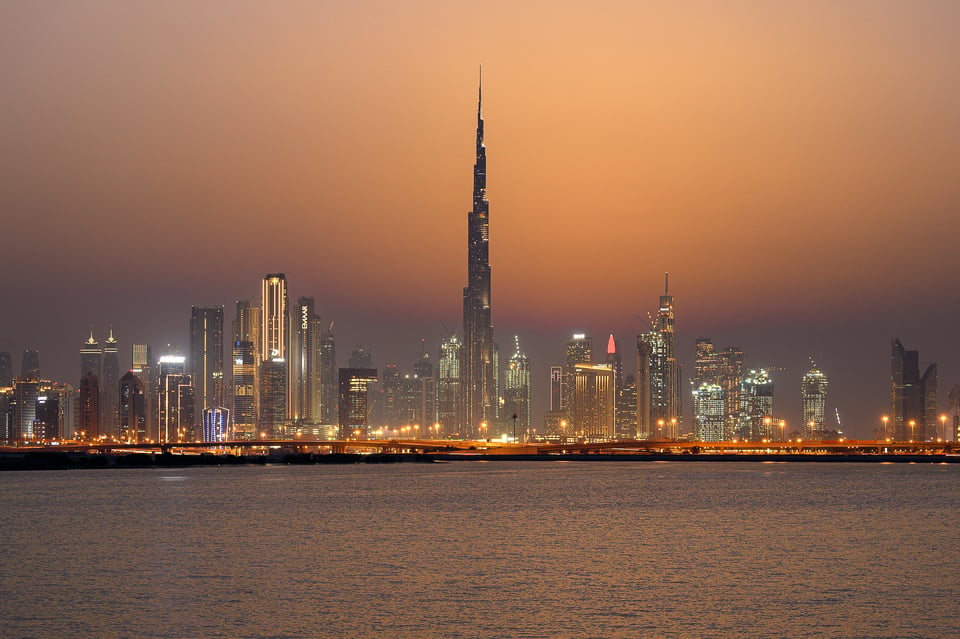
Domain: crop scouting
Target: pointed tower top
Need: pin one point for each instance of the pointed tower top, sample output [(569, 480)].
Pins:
[(91, 341), (480, 90), (611, 345), (110, 339)]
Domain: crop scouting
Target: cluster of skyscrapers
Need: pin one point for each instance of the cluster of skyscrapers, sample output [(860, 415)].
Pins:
[(280, 380)]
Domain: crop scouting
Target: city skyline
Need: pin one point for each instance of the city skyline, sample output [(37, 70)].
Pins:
[(783, 252)]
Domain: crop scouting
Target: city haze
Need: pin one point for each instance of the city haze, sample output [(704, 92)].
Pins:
[(792, 165)]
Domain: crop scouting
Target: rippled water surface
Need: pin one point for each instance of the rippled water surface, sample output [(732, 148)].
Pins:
[(471, 549)]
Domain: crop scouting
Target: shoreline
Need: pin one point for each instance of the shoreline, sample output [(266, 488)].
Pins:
[(57, 460)]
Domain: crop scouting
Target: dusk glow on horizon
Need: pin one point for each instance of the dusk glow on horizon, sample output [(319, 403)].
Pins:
[(792, 165)]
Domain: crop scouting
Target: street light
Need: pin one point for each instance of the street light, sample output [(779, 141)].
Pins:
[(885, 419), (912, 424), (660, 424), (783, 429), (943, 427)]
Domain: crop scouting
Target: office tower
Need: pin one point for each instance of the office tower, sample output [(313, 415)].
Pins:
[(272, 413), (91, 357), (670, 371), (46, 423), (729, 377), (142, 367), (423, 373), (244, 390), (813, 393), (132, 408), (594, 402), (615, 360), (175, 400), (954, 414), (216, 423), (913, 397), (353, 401), (88, 418), (274, 321), (6, 371), (651, 396), (30, 365), (360, 358), (716, 368), (627, 408), (556, 388), (386, 407), (329, 380), (517, 392), (110, 378), (579, 351), (25, 392), (205, 363), (305, 357), (756, 420), (450, 402), (709, 412), (55, 410), (479, 373)]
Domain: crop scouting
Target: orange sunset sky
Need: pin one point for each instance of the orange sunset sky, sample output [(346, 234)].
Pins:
[(795, 166)]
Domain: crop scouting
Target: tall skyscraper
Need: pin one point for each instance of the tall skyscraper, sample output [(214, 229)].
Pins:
[(30, 365), (272, 412), (274, 337), (175, 400), (709, 412), (6, 370), (141, 365), (91, 357), (88, 420), (205, 364), (329, 380), (306, 353), (579, 351), (756, 420), (913, 397), (109, 389), (594, 404), (244, 404), (671, 369), (427, 393), (813, 392), (517, 391), (26, 389), (353, 404), (449, 387), (479, 372), (132, 408)]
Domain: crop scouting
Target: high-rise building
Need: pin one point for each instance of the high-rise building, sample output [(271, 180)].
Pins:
[(479, 370), (88, 418), (913, 397), (627, 408), (132, 408), (175, 400), (387, 412), (353, 404), (91, 357), (450, 404), (244, 390), (579, 351), (109, 395), (329, 380), (30, 365), (556, 388), (670, 371), (427, 393), (272, 413), (594, 403), (205, 364), (216, 423), (274, 326), (6, 370), (813, 392), (141, 365), (305, 370), (756, 420), (26, 389), (709, 412), (517, 391), (651, 355)]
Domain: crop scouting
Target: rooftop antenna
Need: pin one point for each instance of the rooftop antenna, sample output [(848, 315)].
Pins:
[(666, 283)]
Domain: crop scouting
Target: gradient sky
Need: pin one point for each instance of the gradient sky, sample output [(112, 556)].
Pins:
[(793, 165)]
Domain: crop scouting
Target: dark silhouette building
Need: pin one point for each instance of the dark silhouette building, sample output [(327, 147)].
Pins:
[(205, 364), (913, 397), (88, 419), (479, 370), (30, 365), (132, 408), (353, 402), (6, 371)]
